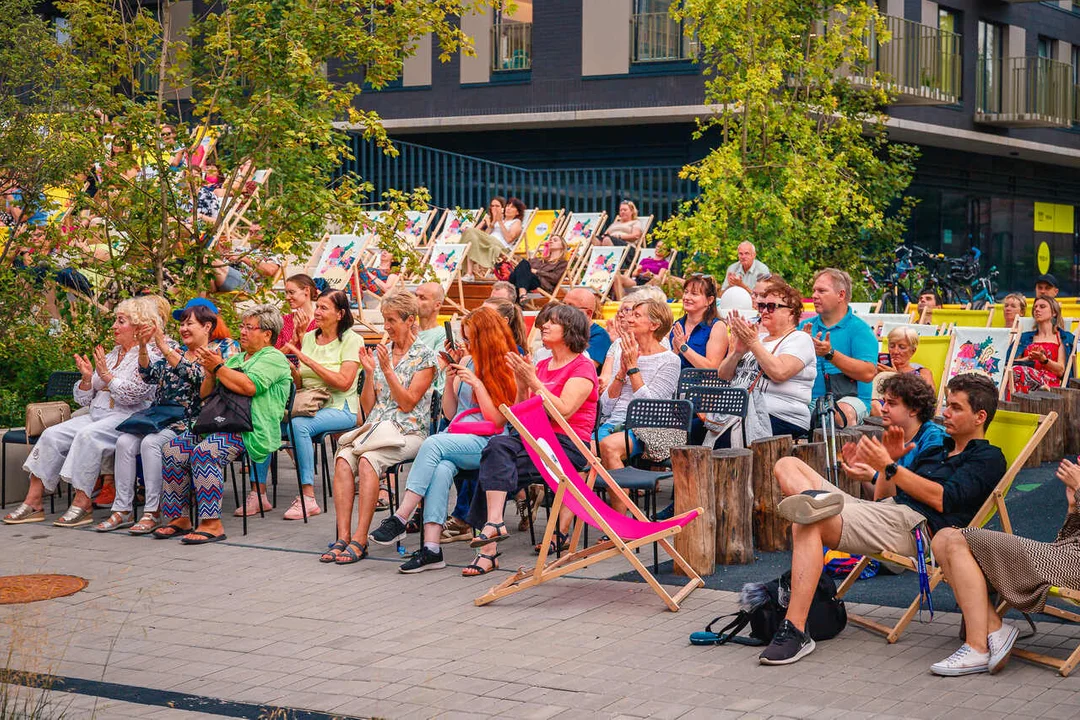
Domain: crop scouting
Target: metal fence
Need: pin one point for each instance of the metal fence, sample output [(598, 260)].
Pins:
[(920, 56), (1025, 86), (456, 180)]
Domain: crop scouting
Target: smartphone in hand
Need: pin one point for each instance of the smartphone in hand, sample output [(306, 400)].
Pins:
[(884, 359), (449, 334)]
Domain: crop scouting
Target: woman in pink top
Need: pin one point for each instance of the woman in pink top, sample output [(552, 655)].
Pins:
[(568, 380)]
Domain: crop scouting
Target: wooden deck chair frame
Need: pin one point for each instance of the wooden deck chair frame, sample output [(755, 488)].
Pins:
[(1070, 364), (522, 247), (1006, 378), (1063, 666), (581, 249), (993, 505), (237, 211), (423, 239), (579, 280), (455, 279), (573, 559)]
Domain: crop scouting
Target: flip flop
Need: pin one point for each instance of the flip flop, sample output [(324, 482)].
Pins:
[(170, 531), (207, 538)]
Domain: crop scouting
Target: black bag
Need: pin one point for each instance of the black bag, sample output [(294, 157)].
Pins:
[(152, 420), (224, 411), (764, 607)]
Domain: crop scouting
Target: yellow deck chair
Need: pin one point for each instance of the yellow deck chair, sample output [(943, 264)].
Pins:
[(962, 318), (541, 223), (1017, 434)]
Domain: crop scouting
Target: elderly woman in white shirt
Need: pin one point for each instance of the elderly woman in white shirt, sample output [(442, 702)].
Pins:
[(646, 369), (113, 389)]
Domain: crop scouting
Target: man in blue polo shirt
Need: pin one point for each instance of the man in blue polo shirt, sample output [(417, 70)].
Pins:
[(846, 347)]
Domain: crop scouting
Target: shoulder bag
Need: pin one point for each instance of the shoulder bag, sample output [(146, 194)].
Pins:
[(42, 415), (224, 411), (152, 420), (309, 401)]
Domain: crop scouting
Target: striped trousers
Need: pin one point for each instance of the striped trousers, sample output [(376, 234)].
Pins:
[(189, 461)]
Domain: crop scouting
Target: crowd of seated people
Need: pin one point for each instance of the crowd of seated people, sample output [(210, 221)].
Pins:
[(381, 401)]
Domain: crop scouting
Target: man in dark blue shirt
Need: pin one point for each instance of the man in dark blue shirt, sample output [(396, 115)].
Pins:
[(944, 486)]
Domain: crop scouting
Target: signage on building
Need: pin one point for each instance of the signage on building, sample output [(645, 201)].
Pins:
[(1053, 218)]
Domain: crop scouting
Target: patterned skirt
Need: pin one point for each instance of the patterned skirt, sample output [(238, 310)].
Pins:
[(1022, 569)]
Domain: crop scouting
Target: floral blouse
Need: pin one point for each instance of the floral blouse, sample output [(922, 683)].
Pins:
[(126, 392), (415, 422), (180, 385)]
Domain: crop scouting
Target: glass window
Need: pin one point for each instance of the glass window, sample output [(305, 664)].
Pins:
[(990, 72), (511, 37), (655, 36), (952, 51)]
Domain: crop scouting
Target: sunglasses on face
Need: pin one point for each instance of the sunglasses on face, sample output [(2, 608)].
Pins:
[(770, 307)]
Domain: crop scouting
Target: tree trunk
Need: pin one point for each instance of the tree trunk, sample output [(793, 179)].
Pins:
[(693, 468), (734, 501), (1028, 404), (813, 454), (771, 532), (1054, 442)]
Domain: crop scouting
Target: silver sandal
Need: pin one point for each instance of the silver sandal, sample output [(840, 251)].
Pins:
[(116, 521), (24, 514), (148, 523), (75, 517)]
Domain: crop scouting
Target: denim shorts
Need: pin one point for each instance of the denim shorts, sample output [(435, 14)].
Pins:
[(236, 280), (636, 448)]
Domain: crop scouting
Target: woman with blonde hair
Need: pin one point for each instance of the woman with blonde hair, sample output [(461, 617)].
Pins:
[(1041, 353), (902, 343), (480, 381), (626, 229), (1013, 307), (394, 414), (543, 271), (111, 387)]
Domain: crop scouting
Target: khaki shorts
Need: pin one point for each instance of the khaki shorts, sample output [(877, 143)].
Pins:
[(870, 527), (382, 458)]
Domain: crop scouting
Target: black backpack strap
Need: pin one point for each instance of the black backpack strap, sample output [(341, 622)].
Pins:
[(729, 633)]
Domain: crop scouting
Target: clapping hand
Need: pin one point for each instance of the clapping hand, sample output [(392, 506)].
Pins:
[(631, 351), (894, 442), (144, 333), (858, 470), (744, 333), (208, 358), (367, 360), (301, 320), (678, 337), (85, 367), (1068, 472), (524, 371), (872, 452), (822, 343), (383, 356), (101, 364)]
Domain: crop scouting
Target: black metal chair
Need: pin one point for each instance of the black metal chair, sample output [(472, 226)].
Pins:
[(393, 473), (724, 400), (245, 464), (60, 385), (699, 376), (648, 413)]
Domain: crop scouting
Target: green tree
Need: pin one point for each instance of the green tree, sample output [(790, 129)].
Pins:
[(272, 80), (801, 165)]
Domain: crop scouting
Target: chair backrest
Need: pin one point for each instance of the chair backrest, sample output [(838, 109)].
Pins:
[(61, 384), (920, 330), (1017, 434), (436, 411), (699, 376), (933, 354), (725, 400), (659, 413), (961, 318)]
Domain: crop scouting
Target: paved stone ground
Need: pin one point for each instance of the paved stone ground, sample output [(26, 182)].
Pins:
[(258, 620)]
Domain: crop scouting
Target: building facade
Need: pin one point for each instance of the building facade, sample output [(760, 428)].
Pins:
[(987, 89)]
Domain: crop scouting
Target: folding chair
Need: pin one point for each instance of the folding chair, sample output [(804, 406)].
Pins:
[(532, 419), (1017, 434), (59, 385), (707, 377), (721, 400), (245, 463), (1063, 666)]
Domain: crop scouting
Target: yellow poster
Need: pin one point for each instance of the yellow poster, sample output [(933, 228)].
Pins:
[(536, 232), (1053, 218)]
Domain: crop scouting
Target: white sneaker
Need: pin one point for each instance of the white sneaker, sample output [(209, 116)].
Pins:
[(1001, 643), (965, 661)]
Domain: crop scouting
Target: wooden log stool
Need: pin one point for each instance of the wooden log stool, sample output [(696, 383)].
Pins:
[(1070, 417), (1027, 403), (771, 532), (1048, 402), (692, 466), (733, 470)]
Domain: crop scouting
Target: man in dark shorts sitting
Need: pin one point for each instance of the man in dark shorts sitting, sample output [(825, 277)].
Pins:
[(943, 487)]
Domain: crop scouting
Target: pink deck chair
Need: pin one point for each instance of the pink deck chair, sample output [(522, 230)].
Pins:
[(532, 419)]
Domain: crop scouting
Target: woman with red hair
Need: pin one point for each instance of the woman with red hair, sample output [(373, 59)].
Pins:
[(477, 384)]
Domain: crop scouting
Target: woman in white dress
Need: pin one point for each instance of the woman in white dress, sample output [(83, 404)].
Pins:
[(495, 236), (113, 389)]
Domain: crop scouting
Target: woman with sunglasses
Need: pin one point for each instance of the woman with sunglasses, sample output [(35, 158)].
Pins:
[(777, 357), (699, 338)]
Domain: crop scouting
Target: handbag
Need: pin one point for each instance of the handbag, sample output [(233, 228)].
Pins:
[(503, 269), (764, 606), (657, 442), (224, 411), (460, 426), (309, 401), (152, 420), (383, 435), (42, 415)]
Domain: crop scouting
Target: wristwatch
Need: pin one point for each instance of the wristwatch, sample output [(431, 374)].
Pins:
[(890, 470), (683, 348), (829, 355), (632, 371)]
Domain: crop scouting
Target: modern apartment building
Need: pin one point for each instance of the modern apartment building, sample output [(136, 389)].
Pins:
[(988, 89)]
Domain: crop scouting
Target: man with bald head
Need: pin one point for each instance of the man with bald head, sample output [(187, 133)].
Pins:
[(584, 300), (747, 271), (429, 298)]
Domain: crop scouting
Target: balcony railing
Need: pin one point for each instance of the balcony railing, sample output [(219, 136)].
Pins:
[(511, 46), (1024, 92), (657, 37), (1076, 104), (921, 64)]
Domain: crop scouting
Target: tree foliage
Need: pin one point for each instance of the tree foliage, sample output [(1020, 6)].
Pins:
[(801, 165)]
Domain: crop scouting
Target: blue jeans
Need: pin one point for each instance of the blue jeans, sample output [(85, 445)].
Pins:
[(610, 429), (303, 428), (434, 467)]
